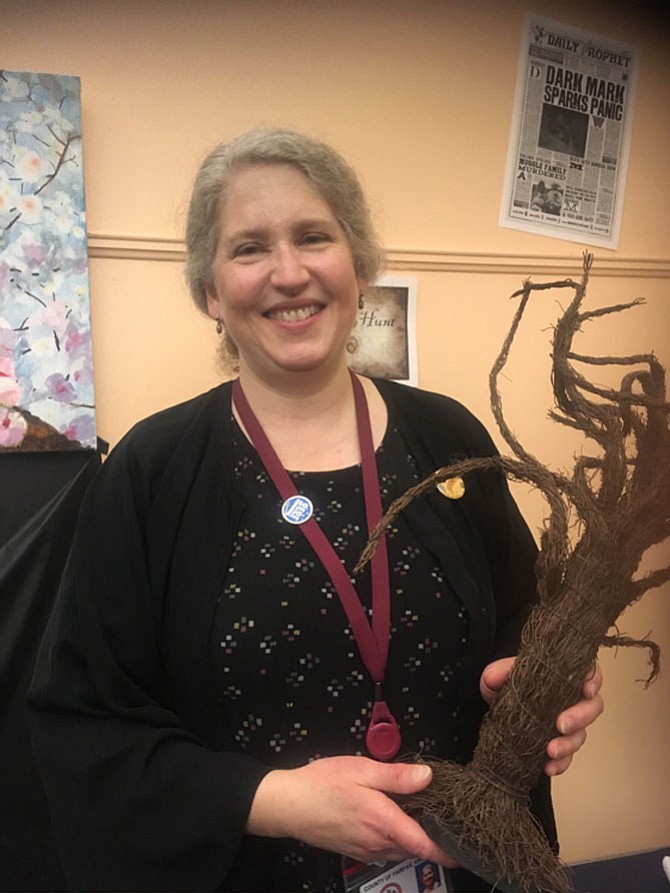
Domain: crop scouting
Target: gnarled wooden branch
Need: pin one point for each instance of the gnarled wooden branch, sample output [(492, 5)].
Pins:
[(621, 500)]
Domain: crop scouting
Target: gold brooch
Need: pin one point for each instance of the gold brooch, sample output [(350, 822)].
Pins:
[(452, 488)]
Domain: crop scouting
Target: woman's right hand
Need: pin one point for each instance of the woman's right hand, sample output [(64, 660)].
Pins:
[(340, 804)]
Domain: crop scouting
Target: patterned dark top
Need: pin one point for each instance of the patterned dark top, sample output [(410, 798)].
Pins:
[(137, 708), (292, 683)]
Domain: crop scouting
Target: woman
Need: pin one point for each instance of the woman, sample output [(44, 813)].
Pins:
[(214, 705)]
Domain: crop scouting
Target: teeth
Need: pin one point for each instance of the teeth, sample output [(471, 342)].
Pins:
[(294, 315)]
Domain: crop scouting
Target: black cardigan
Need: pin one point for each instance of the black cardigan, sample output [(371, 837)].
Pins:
[(146, 787)]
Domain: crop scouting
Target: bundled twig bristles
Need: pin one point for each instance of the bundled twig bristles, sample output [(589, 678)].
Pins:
[(622, 502)]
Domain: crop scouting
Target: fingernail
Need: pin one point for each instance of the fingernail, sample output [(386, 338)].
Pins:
[(421, 774), (564, 727)]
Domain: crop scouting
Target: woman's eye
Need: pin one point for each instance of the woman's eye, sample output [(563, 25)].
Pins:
[(314, 238), (247, 250)]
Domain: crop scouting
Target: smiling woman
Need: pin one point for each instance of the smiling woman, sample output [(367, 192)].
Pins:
[(283, 279), (219, 702), (341, 211)]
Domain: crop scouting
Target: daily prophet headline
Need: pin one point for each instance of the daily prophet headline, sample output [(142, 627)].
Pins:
[(584, 93), (570, 134)]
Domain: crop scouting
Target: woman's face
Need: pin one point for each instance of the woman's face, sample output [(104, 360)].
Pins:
[(283, 279), (428, 877)]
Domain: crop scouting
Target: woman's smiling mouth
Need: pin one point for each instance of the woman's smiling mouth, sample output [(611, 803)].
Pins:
[(294, 314)]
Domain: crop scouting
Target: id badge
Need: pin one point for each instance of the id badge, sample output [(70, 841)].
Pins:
[(410, 876)]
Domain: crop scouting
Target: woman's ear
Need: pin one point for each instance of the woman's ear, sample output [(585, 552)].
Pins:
[(213, 302)]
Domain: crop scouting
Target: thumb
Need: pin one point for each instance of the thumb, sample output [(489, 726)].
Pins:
[(406, 778)]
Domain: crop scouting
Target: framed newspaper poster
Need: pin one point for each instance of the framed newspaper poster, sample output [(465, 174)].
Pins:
[(568, 151), (383, 341)]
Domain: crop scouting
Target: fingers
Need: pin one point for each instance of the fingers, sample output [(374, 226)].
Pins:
[(411, 840), (573, 722), (562, 750), (567, 745), (553, 768), (493, 678), (341, 804), (593, 682), (586, 711), (398, 778), (408, 836), (580, 715)]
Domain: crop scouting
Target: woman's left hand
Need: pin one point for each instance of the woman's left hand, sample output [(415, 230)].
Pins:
[(571, 723)]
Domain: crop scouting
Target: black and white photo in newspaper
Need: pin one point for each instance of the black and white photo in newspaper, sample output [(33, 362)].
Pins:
[(570, 137)]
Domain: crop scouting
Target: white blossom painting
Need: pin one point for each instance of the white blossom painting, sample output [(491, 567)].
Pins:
[(46, 370)]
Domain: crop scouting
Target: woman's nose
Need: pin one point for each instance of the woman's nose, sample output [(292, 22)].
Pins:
[(288, 270)]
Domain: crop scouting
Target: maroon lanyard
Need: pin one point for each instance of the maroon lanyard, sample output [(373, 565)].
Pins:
[(383, 735)]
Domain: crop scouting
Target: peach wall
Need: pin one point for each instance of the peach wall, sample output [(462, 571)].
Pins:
[(419, 97)]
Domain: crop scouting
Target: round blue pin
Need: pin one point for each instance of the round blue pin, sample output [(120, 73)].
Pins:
[(297, 509)]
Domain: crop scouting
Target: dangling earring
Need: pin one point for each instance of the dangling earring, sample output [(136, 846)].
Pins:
[(361, 302), (219, 326)]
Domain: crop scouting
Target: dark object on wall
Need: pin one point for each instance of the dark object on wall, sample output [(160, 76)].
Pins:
[(636, 873), (41, 494)]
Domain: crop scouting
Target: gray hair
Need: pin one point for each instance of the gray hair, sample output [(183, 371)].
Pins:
[(327, 171)]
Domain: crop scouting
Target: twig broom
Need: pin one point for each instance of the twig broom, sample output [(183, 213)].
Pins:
[(480, 812)]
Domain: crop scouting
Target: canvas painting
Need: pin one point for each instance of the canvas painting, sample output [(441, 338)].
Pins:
[(382, 343), (46, 370)]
